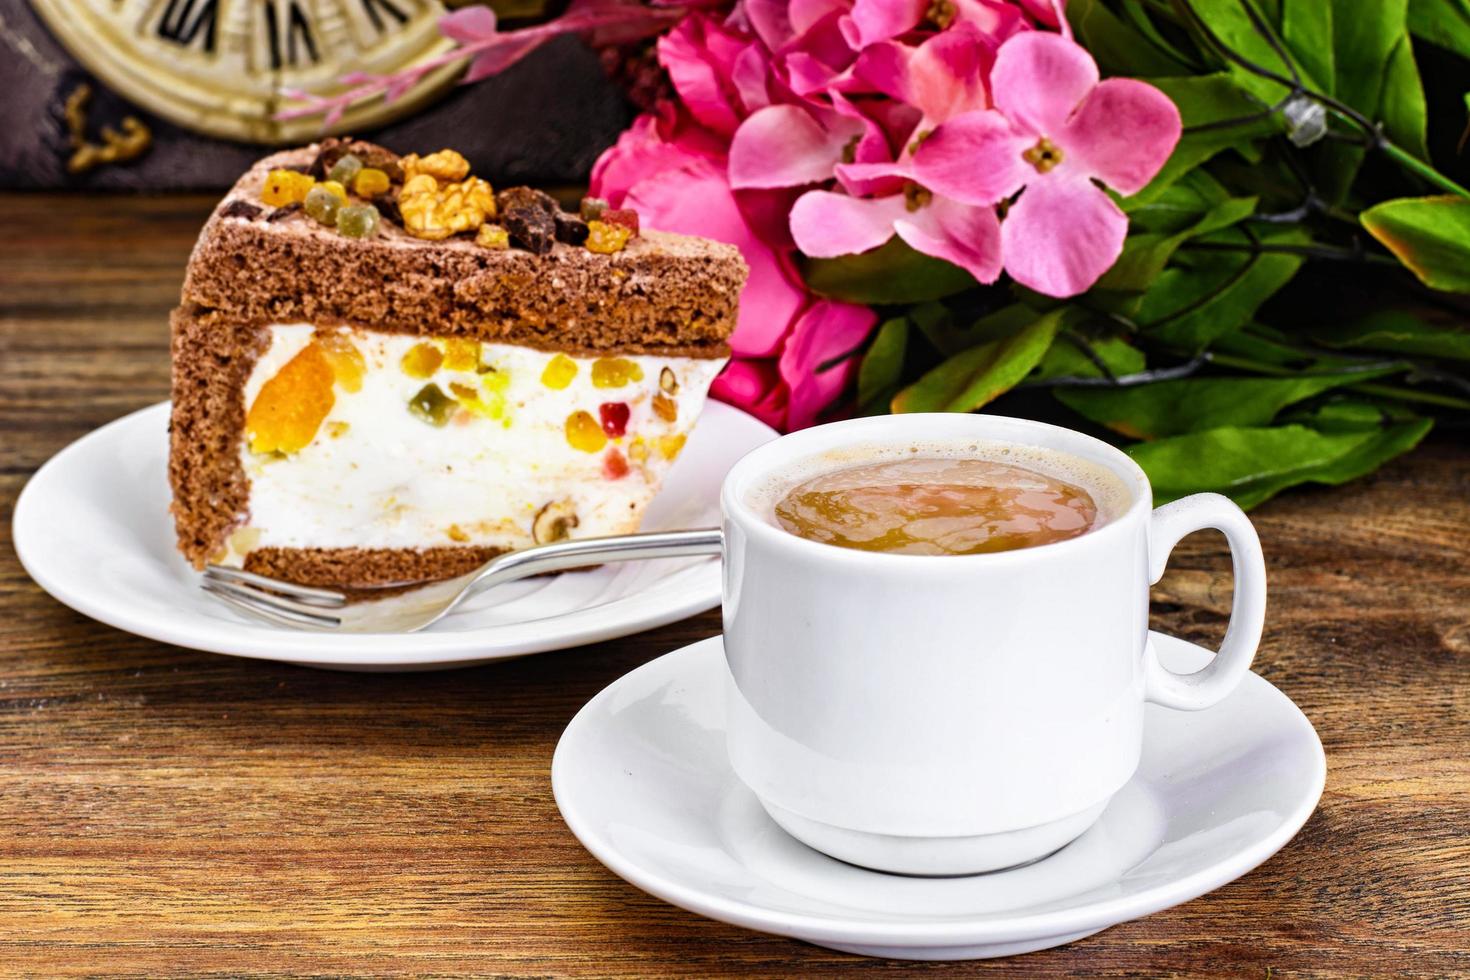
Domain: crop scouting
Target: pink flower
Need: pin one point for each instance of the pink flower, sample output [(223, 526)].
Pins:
[(941, 78), (673, 167), (1055, 131)]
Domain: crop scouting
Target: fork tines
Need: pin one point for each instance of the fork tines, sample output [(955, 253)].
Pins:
[(283, 603)]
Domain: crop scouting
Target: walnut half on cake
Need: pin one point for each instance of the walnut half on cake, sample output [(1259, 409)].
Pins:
[(385, 372)]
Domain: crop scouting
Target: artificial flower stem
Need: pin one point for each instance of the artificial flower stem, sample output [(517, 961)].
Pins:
[(1412, 163)]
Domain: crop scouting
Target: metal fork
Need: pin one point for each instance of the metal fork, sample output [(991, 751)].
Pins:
[(304, 607)]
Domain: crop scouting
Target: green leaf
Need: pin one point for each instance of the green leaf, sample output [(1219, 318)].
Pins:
[(1398, 332), (1306, 27), (976, 376), (1445, 23), (1402, 108), (882, 368), (890, 273), (1232, 27), (1251, 465), (1066, 359), (1118, 47), (1207, 294), (1204, 100), (1429, 235), (1169, 408), (1145, 255)]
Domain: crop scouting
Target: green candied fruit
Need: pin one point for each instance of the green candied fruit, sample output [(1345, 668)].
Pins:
[(344, 170), (358, 220), (322, 205), (431, 405)]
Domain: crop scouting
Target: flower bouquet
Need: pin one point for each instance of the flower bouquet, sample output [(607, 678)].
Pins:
[(1228, 232)]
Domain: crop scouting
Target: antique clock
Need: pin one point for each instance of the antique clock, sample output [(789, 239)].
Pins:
[(219, 67)]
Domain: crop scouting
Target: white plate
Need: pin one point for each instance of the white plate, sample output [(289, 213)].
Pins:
[(92, 528), (642, 778)]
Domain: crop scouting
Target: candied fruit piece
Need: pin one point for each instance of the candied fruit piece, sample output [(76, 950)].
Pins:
[(626, 217), (346, 360), (638, 450), (592, 208), (338, 429), (584, 433), (493, 236), (370, 182), (530, 228), (291, 406), (614, 465), (559, 372), (284, 187), (569, 228), (456, 533), (431, 405), (614, 372), (606, 239), (322, 205), (461, 354), (358, 220), (614, 417), (665, 407), (421, 361), (667, 383), (446, 165), (335, 186), (670, 446), (348, 166)]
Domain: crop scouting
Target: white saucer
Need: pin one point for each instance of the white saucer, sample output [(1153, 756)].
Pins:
[(92, 528), (642, 779)]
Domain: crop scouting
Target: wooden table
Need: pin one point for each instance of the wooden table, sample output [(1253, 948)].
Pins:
[(168, 811)]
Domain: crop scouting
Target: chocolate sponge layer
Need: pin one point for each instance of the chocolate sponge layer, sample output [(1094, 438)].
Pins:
[(664, 293)]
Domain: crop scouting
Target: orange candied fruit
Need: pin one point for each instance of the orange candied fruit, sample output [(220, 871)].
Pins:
[(284, 187), (461, 354), (421, 361), (669, 447), (614, 372), (346, 360), (560, 371), (614, 466), (291, 406), (584, 432)]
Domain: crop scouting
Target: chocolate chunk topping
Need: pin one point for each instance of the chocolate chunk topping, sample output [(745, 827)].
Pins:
[(285, 211), (371, 155), (526, 197), (240, 209), (530, 228), (388, 210), (570, 228)]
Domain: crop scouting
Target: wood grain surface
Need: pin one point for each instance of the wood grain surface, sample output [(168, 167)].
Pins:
[(168, 812)]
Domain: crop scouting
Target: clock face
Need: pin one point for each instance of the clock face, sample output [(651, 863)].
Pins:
[(219, 66)]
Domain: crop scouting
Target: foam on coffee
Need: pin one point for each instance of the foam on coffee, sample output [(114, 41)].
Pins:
[(946, 498)]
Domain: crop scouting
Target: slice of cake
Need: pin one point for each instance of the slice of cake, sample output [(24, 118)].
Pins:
[(384, 371)]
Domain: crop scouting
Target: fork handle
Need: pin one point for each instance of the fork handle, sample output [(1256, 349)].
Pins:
[(562, 555)]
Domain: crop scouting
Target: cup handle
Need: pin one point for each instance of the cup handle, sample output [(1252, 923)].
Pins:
[(1210, 684)]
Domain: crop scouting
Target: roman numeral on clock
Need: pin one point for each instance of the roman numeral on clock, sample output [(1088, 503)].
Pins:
[(185, 20), (289, 35), (376, 9)]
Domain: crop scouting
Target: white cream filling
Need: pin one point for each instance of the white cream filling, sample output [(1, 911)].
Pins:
[(376, 475)]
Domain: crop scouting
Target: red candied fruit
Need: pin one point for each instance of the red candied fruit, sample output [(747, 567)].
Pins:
[(614, 417), (626, 217), (614, 466)]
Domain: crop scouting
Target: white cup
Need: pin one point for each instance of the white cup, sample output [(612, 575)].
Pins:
[(955, 714)]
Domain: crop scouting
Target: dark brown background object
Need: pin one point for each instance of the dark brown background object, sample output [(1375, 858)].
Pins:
[(545, 119), (164, 811)]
